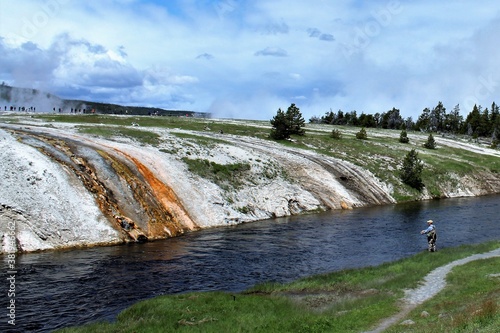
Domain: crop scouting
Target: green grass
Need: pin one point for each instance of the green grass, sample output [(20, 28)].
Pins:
[(145, 137), (224, 175), (252, 128), (381, 153), (469, 303), (200, 140), (346, 301)]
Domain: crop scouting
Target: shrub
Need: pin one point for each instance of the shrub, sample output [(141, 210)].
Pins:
[(494, 144), (362, 134), (403, 137), (431, 143), (336, 134)]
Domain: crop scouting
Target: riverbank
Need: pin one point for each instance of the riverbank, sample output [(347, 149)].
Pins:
[(346, 301), (76, 181)]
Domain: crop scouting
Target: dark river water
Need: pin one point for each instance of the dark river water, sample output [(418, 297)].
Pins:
[(66, 288)]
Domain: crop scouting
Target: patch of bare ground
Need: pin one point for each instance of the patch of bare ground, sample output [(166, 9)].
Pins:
[(320, 301)]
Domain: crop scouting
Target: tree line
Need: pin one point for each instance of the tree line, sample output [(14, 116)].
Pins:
[(480, 122)]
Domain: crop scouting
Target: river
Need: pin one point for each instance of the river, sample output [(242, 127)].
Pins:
[(63, 288)]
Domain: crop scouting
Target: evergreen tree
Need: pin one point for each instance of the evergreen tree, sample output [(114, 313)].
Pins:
[(409, 124), (485, 125), (423, 122), (280, 130), (315, 120), (286, 124), (328, 118), (392, 119), (495, 124), (336, 134), (453, 121), (362, 134), (367, 120), (495, 114), (431, 143), (473, 121), (403, 137), (437, 117), (295, 120), (351, 118), (477, 123), (339, 119), (411, 170)]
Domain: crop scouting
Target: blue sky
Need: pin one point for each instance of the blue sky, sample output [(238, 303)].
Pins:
[(246, 59)]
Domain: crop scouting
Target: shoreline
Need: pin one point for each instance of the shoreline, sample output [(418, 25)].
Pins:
[(61, 171)]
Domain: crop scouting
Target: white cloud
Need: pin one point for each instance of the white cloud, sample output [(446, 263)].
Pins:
[(250, 55), (272, 51)]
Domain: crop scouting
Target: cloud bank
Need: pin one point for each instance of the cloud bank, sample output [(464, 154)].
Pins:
[(246, 59)]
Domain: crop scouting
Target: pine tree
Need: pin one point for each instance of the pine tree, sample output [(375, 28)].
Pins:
[(286, 124), (411, 170), (437, 118), (403, 137), (454, 120), (295, 120), (362, 134), (423, 122), (280, 129), (473, 121), (431, 143), (336, 134)]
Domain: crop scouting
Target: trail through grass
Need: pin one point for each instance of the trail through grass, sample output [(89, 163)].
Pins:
[(346, 301)]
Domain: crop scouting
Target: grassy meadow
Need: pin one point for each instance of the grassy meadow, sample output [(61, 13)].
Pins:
[(381, 153)]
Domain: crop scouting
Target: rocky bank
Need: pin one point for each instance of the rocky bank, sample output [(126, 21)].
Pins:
[(61, 188)]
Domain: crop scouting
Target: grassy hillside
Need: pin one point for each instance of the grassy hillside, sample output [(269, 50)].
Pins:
[(457, 166)]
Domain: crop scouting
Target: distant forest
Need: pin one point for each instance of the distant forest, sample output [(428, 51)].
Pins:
[(478, 123)]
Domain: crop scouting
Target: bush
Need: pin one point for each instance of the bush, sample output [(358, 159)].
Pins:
[(403, 137), (336, 134), (362, 134), (431, 143), (494, 144)]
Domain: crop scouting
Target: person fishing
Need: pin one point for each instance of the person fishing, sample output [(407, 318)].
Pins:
[(431, 235)]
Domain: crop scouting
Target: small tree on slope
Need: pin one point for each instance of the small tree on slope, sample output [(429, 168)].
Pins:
[(403, 137), (431, 143), (286, 124), (411, 170)]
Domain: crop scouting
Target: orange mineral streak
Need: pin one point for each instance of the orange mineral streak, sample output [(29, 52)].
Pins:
[(165, 195)]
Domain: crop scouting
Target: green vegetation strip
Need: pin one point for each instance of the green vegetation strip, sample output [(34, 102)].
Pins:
[(245, 128), (224, 175), (381, 153), (145, 137), (346, 301)]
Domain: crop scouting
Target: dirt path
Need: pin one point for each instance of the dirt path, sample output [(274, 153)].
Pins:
[(433, 283)]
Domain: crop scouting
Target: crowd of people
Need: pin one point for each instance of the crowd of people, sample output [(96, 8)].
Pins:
[(33, 109)]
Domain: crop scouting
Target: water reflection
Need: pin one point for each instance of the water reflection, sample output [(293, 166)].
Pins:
[(58, 289)]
